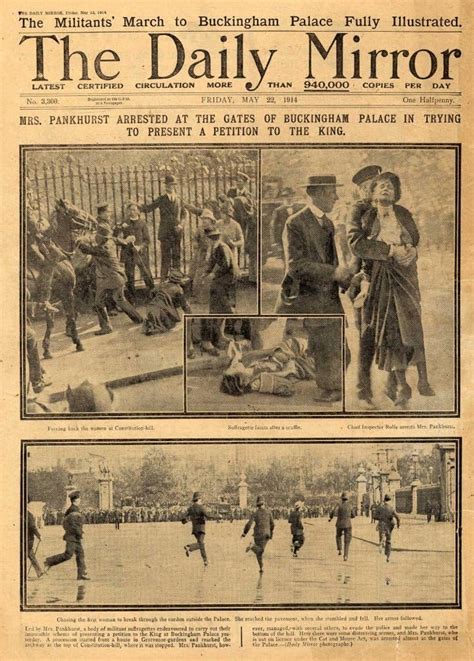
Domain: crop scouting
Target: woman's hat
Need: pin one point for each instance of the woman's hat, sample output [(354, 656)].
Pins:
[(74, 495), (386, 498), (320, 180), (366, 173), (207, 215), (243, 175), (212, 231)]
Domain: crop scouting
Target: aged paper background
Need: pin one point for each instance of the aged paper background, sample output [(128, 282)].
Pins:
[(289, 63)]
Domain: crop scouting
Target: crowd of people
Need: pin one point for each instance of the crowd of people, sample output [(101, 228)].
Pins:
[(74, 255)]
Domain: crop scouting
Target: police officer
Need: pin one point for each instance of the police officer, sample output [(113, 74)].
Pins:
[(73, 523), (297, 528), (110, 278), (198, 515), (263, 522), (343, 513)]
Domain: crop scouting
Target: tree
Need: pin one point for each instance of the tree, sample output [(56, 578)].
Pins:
[(157, 478)]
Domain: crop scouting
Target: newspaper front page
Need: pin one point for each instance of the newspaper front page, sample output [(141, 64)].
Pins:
[(237, 343)]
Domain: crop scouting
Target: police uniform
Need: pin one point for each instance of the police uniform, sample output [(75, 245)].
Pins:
[(262, 520), (73, 523)]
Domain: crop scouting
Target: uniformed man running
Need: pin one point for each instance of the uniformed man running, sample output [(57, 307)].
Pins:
[(198, 515), (262, 532)]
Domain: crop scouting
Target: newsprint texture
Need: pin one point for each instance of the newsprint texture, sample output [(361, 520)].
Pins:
[(237, 341)]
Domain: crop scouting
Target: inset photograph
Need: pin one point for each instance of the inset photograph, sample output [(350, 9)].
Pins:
[(311, 524), (119, 243), (251, 365), (370, 232)]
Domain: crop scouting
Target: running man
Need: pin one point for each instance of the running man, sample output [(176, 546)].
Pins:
[(72, 524), (343, 513), (262, 532), (386, 517), (297, 528), (198, 515)]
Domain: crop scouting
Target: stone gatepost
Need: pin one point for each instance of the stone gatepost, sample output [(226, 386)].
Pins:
[(243, 492), (361, 491), (414, 496)]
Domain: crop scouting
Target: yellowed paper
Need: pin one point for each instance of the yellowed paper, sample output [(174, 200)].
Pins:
[(237, 339)]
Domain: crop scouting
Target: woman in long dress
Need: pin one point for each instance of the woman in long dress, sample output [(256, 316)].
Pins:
[(392, 308)]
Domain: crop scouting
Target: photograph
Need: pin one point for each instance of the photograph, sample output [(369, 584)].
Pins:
[(118, 244), (370, 232), (309, 524), (251, 365)]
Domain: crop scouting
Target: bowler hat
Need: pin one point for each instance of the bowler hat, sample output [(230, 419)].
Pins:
[(170, 179), (102, 206), (260, 500), (387, 498), (196, 496), (243, 175), (366, 173), (320, 180), (344, 496), (74, 495)]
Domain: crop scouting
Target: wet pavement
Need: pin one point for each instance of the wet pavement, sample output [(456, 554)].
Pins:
[(145, 564)]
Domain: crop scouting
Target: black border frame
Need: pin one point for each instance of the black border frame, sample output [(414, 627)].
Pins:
[(456, 147), (457, 604)]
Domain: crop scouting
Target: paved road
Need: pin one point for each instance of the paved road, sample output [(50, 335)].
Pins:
[(144, 564)]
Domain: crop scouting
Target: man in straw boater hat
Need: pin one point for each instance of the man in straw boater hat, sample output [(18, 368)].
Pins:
[(198, 515), (312, 280), (297, 528), (110, 278), (343, 513), (173, 213), (262, 520), (223, 272), (72, 524)]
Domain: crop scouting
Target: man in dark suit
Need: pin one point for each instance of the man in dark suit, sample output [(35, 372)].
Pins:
[(198, 515), (245, 215), (172, 216), (312, 280), (343, 513), (295, 519), (72, 524), (386, 516), (263, 522), (32, 533)]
